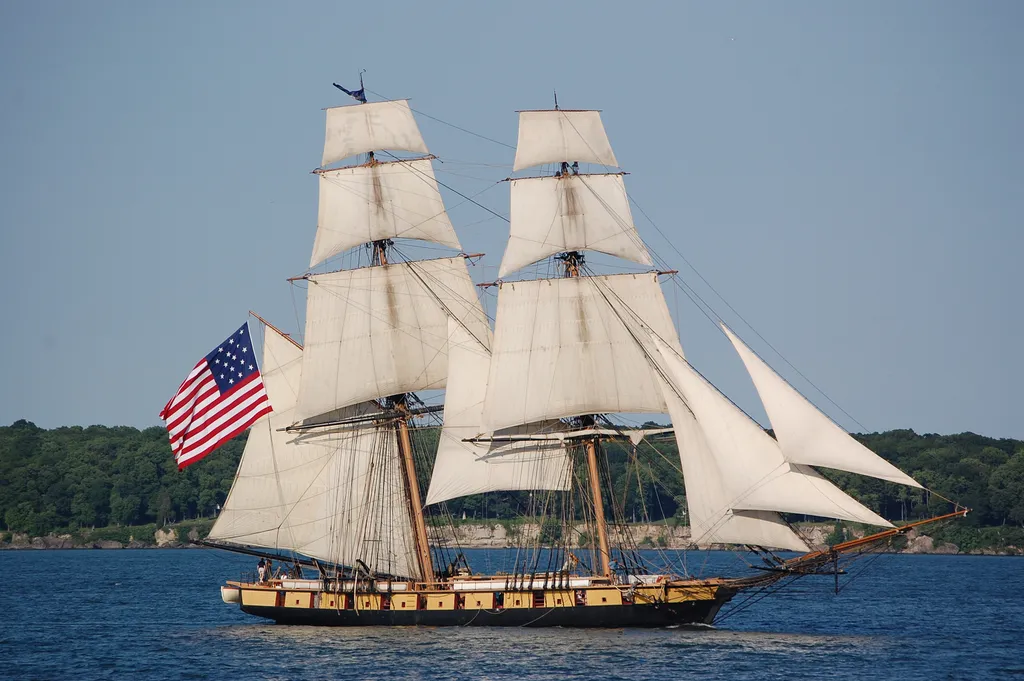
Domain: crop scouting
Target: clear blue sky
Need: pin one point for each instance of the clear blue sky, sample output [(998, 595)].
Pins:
[(849, 176)]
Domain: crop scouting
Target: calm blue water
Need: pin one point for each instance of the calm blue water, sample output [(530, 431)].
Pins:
[(158, 615)]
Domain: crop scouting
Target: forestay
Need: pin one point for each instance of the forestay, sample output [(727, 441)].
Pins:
[(377, 201), (360, 128), (336, 497), (568, 213), (755, 476), (560, 135), (462, 468), (805, 434), (574, 346)]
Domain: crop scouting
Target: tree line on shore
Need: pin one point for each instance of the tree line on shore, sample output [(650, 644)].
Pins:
[(77, 477)]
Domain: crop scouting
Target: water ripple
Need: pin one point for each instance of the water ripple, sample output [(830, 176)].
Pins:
[(157, 615)]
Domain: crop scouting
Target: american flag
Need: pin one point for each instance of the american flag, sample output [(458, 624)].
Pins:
[(222, 396)]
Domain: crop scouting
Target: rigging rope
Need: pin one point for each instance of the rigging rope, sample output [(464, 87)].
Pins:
[(451, 125)]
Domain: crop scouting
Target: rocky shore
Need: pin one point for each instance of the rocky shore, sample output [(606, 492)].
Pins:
[(474, 536), (160, 539), (669, 537)]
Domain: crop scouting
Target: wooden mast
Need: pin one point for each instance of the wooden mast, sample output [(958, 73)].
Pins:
[(572, 261), (413, 488), (595, 490), (412, 485)]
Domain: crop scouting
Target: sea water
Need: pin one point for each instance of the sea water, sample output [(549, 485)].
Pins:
[(157, 614)]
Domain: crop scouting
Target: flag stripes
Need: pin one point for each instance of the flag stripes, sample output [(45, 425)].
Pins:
[(221, 397)]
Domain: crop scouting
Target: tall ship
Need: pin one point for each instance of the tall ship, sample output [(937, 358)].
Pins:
[(346, 482)]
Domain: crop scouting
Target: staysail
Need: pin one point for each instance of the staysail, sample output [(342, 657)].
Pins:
[(755, 476), (462, 468), (712, 520), (805, 434)]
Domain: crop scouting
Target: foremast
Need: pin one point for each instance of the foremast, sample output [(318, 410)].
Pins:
[(400, 403), (377, 334)]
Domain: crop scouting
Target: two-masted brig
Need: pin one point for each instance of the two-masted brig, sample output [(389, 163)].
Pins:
[(331, 479)]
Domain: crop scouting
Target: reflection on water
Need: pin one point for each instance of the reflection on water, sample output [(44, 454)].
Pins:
[(158, 615)]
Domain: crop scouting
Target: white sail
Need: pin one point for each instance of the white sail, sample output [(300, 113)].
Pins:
[(805, 434), (712, 519), (360, 128), (561, 135), (574, 346), (336, 497), (380, 331), (573, 212), (462, 468), (398, 199), (356, 507), (755, 474)]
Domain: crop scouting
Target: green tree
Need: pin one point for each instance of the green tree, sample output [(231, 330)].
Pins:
[(1006, 487)]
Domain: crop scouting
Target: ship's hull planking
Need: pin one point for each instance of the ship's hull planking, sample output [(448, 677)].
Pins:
[(584, 608)]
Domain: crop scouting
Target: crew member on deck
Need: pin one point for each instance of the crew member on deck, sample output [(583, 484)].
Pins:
[(261, 570)]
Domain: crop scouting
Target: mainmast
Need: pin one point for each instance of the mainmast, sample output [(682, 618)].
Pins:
[(563, 347), (573, 262), (591, 445)]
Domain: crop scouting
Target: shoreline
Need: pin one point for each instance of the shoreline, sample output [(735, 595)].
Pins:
[(494, 535)]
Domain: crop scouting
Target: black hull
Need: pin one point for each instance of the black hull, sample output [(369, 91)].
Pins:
[(612, 616)]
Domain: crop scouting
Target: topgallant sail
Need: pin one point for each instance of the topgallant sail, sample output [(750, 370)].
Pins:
[(332, 481)]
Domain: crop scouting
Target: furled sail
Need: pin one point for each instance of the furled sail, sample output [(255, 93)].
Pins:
[(805, 434), (462, 468), (568, 213), (397, 199), (562, 135), (360, 128), (379, 331), (337, 497), (573, 346), (756, 477)]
